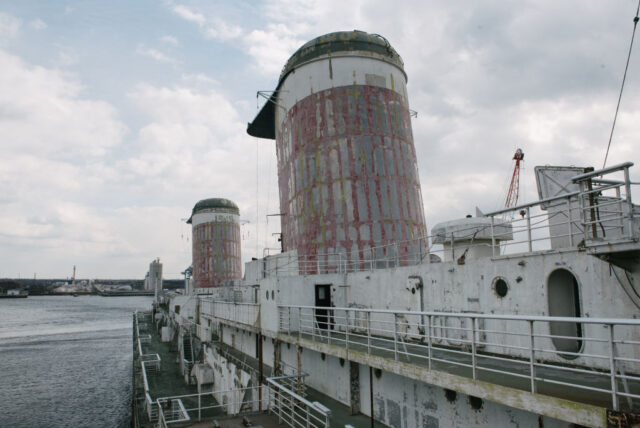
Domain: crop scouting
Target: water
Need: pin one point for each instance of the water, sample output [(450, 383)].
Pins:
[(66, 361)]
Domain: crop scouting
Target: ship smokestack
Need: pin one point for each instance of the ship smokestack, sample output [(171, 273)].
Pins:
[(347, 169), (216, 243)]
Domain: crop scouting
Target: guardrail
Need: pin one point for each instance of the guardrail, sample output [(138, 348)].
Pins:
[(240, 313), (170, 411), (197, 407), (292, 408), (150, 362), (584, 359), (599, 213)]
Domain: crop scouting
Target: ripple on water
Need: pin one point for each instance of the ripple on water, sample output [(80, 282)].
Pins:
[(66, 367)]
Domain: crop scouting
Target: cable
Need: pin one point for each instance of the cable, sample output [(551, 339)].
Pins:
[(624, 77)]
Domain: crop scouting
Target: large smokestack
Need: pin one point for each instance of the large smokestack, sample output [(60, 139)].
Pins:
[(216, 243), (347, 167)]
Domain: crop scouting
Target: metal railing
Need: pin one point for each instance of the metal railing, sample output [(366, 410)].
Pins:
[(584, 359), (606, 205), (600, 212), (240, 313), (203, 405), (292, 408), (171, 410), (149, 362)]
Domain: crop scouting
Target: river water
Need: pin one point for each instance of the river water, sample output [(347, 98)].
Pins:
[(66, 361)]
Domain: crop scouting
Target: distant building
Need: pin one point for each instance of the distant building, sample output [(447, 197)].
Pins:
[(153, 278)]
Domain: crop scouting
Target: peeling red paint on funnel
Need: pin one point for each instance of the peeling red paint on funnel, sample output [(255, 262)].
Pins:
[(347, 170), (216, 243)]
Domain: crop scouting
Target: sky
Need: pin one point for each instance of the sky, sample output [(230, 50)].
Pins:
[(117, 117)]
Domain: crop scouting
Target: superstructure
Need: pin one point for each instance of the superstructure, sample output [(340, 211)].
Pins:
[(520, 317)]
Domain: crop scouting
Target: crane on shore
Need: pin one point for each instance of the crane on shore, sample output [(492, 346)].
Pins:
[(514, 185)]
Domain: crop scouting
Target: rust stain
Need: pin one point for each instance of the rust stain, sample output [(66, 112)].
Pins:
[(378, 163)]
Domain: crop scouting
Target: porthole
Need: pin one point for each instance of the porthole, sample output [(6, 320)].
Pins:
[(272, 294), (500, 287), (475, 402), (323, 356), (450, 395), (378, 373), (341, 362), (267, 294)]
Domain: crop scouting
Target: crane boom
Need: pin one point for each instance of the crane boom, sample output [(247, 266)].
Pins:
[(514, 186)]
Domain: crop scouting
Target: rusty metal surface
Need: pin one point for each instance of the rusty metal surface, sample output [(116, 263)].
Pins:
[(216, 253), (348, 175), (343, 41), (332, 44), (622, 419)]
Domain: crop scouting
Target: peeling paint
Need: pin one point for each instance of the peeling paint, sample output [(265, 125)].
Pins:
[(364, 167)]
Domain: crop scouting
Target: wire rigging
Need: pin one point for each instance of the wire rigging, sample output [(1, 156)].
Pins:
[(624, 78)]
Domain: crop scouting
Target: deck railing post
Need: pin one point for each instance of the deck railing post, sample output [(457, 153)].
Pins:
[(395, 336), (395, 244), (299, 323), (473, 348), (372, 257), (347, 329), (612, 370), (583, 212), (532, 368), (529, 229), (279, 400), (368, 332), (429, 320), (313, 323), (199, 407), (453, 252), (493, 237), (328, 324), (620, 210), (627, 190), (570, 219), (289, 321)]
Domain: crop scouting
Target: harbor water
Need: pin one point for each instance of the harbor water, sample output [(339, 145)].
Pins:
[(66, 361)]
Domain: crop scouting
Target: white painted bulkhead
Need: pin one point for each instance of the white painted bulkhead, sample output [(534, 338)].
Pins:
[(450, 287), (333, 71)]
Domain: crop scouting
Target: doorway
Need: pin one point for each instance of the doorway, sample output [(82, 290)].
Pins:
[(564, 301), (323, 299)]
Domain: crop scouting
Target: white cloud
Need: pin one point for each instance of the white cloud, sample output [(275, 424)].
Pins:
[(67, 56), (74, 185), (170, 40), (9, 26), (271, 47), (43, 111), (51, 137), (212, 27), (195, 146), (155, 54), (38, 24), (189, 15), (218, 29)]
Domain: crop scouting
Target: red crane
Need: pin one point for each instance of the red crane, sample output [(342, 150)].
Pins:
[(514, 186)]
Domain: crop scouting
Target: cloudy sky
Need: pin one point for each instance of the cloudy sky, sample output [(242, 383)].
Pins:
[(117, 116)]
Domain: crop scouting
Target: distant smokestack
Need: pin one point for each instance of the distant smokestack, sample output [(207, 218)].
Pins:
[(216, 242)]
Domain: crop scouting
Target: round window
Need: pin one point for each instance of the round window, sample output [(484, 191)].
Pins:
[(500, 286)]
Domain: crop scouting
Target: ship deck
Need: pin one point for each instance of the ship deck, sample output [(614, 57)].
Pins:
[(168, 381), (506, 371)]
